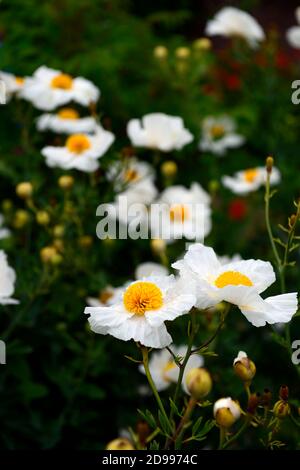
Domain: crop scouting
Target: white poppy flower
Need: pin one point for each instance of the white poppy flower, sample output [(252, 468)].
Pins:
[(219, 135), (159, 131), (184, 213), (239, 283), (231, 21), (228, 404), (81, 151), (164, 369), (293, 33), (4, 232), (150, 269), (7, 281), (66, 121), (49, 88), (246, 181), (128, 174), (13, 84), (141, 313)]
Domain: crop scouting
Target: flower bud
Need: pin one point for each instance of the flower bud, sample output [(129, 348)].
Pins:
[(56, 259), (21, 218), (253, 402), (58, 244), (24, 190), (121, 443), (284, 392), (213, 185), (158, 246), (58, 231), (182, 53), (169, 169), (7, 205), (269, 164), (226, 412), (198, 383), (85, 241), (160, 52), (42, 218), (202, 44), (66, 182), (281, 409), (243, 367), (47, 253), (292, 220)]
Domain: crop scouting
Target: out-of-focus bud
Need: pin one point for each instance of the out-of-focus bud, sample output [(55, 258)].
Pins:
[(121, 443), (158, 246), (253, 402), (292, 220), (7, 205), (21, 218), (66, 182), (58, 231), (160, 52), (42, 217), (58, 244), (243, 367), (213, 186), (226, 412), (281, 409), (47, 254), (169, 169), (108, 241), (85, 241), (24, 190), (202, 44), (269, 164), (182, 53), (198, 383), (56, 259), (284, 392)]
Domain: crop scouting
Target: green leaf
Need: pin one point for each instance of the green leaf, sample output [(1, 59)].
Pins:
[(197, 424), (206, 428), (174, 408), (154, 445), (164, 424), (148, 417)]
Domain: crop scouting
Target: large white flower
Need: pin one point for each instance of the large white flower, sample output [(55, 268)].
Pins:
[(164, 369), (183, 213), (81, 151), (7, 281), (150, 269), (66, 121), (231, 21), (130, 174), (239, 283), (49, 88), (246, 181), (219, 135), (13, 84), (159, 131), (293, 33), (4, 232), (141, 313)]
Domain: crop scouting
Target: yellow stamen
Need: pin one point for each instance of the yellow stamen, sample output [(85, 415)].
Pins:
[(250, 175), (130, 176), (19, 80), (179, 213), (232, 278), (78, 143), (141, 297), (217, 131), (68, 113), (62, 81), (169, 366)]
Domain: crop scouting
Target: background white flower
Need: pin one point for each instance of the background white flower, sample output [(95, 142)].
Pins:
[(150, 269), (246, 181), (66, 121), (4, 232), (107, 296), (7, 281), (293, 33), (130, 173), (159, 131), (239, 283), (81, 151), (49, 88), (141, 313), (219, 135), (13, 84), (231, 21)]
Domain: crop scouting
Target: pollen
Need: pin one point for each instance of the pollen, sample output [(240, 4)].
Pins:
[(19, 80), (217, 131), (250, 175), (78, 143), (142, 297), (63, 81), (179, 213), (131, 176), (68, 113), (232, 278), (169, 366)]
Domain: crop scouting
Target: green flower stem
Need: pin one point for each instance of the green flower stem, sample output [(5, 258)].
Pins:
[(222, 437), (182, 425), (237, 434), (145, 354)]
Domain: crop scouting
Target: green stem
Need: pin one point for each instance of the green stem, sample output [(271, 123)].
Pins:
[(182, 425), (222, 438), (145, 354), (237, 434)]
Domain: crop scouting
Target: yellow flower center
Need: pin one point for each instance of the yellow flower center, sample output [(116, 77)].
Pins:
[(232, 278), (142, 297), (105, 295), (169, 366), (130, 175), (250, 175), (78, 143), (217, 131), (68, 113), (62, 81), (179, 213), (19, 80)]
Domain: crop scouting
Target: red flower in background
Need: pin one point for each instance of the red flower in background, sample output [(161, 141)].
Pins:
[(237, 209)]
